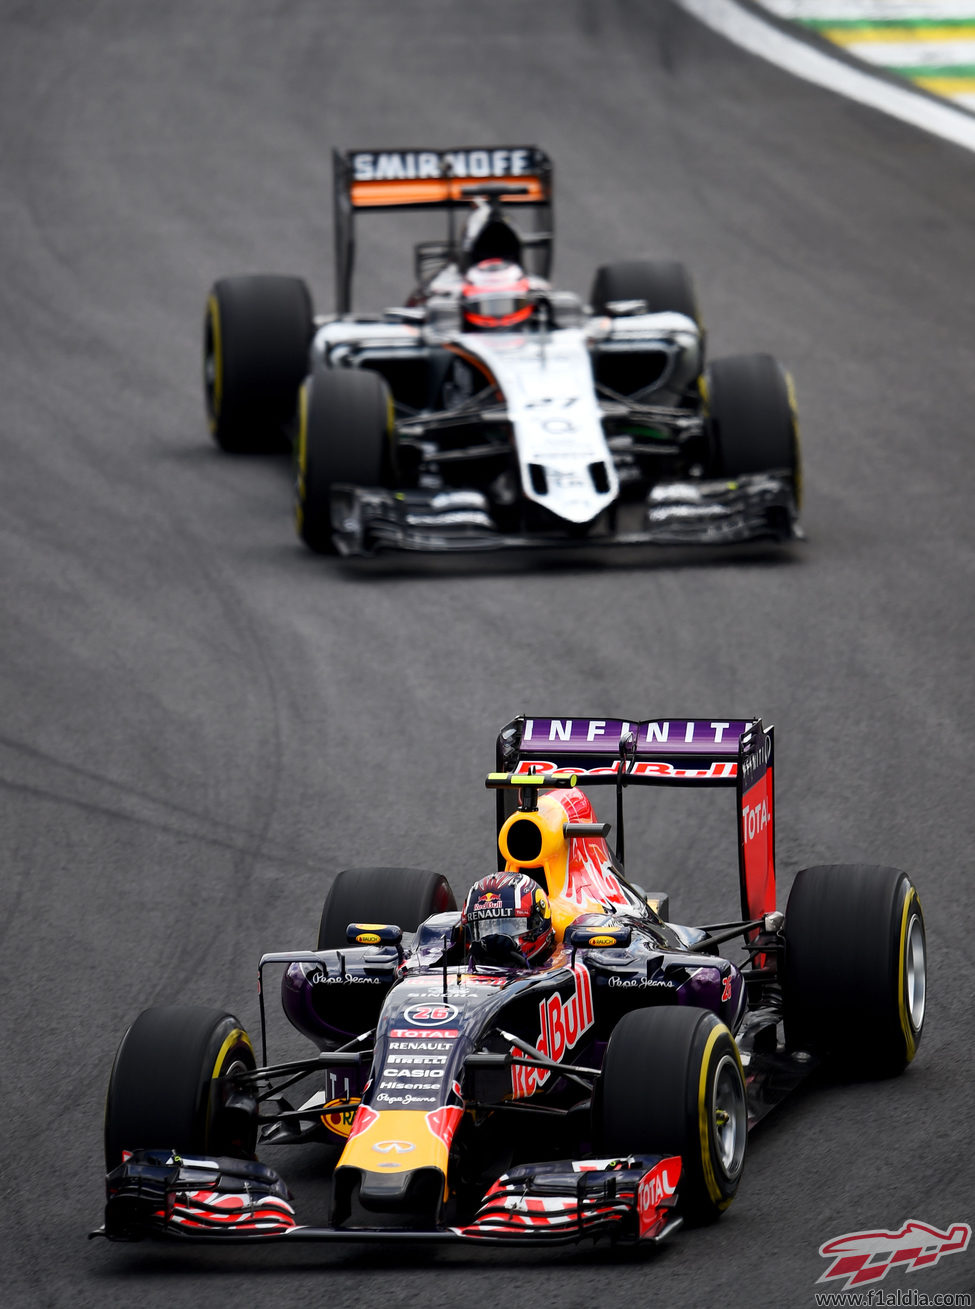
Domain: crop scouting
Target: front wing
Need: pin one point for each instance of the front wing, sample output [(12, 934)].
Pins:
[(159, 1193), (369, 520)]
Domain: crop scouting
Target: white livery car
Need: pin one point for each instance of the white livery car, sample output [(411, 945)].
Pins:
[(491, 410)]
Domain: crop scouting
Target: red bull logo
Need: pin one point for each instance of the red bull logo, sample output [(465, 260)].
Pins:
[(339, 1120), (562, 1023)]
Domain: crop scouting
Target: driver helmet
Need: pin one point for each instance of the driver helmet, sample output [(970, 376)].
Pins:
[(507, 921), (496, 294)]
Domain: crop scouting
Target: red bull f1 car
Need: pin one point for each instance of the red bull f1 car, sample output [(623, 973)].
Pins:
[(602, 1087), (491, 410)]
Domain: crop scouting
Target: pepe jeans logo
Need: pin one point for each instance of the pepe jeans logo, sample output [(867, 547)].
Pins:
[(320, 978), (863, 1258)]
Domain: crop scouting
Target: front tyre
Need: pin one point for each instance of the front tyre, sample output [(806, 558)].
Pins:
[(672, 1084), (345, 425), (166, 1092), (751, 419), (855, 978), (256, 335)]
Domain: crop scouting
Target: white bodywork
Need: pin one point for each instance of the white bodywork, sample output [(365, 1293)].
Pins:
[(546, 380)]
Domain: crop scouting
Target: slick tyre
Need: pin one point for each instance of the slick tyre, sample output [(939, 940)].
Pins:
[(404, 896), (256, 335), (854, 968), (164, 1094), (751, 420), (664, 284), (672, 1084), (345, 423)]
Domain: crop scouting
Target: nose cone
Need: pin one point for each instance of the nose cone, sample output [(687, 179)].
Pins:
[(395, 1164)]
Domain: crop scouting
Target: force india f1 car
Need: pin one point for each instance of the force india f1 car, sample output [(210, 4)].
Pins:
[(491, 410), (607, 1092)]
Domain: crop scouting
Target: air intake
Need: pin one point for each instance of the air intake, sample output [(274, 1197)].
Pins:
[(524, 841)]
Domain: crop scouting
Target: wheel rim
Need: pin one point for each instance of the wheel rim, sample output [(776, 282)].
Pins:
[(915, 973), (209, 379), (730, 1117)]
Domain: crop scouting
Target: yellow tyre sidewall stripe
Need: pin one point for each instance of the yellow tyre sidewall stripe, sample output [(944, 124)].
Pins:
[(237, 1037), (301, 457), (704, 1115), (911, 902), (790, 387)]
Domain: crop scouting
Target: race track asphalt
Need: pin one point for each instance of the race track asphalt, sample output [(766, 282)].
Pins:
[(202, 722)]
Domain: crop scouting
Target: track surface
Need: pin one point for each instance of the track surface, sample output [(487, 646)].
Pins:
[(202, 723)]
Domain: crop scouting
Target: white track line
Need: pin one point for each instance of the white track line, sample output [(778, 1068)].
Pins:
[(871, 10), (759, 37)]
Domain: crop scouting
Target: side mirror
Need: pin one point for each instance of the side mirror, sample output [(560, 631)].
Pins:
[(625, 308), (373, 934), (598, 936)]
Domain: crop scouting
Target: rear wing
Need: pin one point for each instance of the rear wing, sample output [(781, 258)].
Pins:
[(695, 752), (439, 180)]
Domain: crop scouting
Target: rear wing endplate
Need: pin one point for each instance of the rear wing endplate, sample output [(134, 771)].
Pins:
[(694, 752), (429, 179)]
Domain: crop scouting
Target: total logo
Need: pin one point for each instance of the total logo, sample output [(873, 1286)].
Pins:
[(561, 1024), (419, 1033), (755, 819), (656, 1188)]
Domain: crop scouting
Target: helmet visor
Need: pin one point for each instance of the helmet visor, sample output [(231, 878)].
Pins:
[(481, 928), (497, 308)]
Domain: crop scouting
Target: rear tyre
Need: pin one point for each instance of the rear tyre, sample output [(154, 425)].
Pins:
[(672, 1084), (345, 422), (751, 419), (404, 896), (163, 1093), (854, 969), (664, 284), (256, 335)]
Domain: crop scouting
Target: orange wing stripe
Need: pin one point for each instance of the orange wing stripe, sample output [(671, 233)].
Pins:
[(437, 191)]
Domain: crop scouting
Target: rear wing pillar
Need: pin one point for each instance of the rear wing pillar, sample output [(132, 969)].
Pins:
[(756, 821)]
